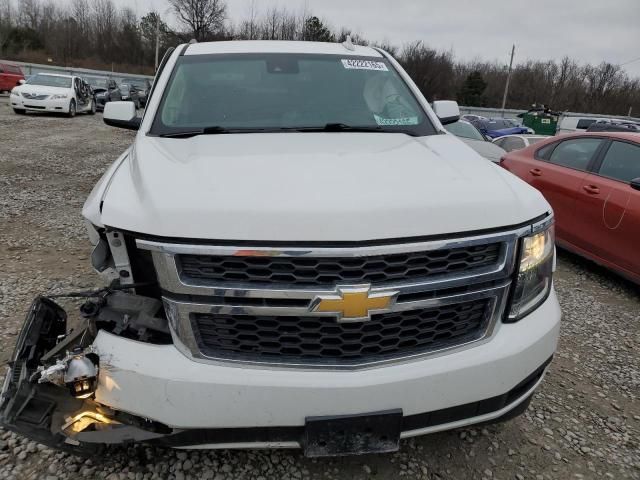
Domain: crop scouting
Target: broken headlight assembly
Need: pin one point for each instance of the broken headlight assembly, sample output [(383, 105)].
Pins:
[(535, 272)]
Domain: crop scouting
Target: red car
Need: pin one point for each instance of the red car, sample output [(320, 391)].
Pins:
[(10, 76), (592, 181)]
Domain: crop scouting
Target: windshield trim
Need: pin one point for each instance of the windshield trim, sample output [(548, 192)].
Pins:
[(156, 130)]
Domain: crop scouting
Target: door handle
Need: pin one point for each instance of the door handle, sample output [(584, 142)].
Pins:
[(591, 189), (536, 172)]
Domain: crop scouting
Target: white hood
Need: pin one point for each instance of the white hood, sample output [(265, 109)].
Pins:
[(41, 89), (308, 187)]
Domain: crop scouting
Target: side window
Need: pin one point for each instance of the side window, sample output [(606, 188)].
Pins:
[(621, 162), (500, 142), (545, 152), (585, 123), (575, 153), (513, 143)]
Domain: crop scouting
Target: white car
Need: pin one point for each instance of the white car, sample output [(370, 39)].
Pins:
[(303, 257), (470, 135), (48, 92), (517, 142)]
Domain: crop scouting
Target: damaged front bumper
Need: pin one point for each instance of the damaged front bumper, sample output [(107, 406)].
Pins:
[(49, 413), (150, 392)]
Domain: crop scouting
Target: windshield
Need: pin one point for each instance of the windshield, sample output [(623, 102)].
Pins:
[(50, 81), (137, 83), (97, 82), (273, 92), (464, 130)]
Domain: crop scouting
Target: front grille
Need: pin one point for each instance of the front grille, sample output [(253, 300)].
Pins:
[(332, 270), (33, 96), (309, 339)]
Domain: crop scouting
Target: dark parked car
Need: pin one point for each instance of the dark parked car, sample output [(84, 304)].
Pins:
[(144, 87), (105, 90), (498, 127), (130, 93), (614, 126)]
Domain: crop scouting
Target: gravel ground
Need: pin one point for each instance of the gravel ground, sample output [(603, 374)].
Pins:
[(584, 421)]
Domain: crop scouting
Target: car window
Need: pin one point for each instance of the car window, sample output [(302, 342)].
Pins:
[(50, 80), (621, 162), (464, 130), (513, 143), (287, 92), (585, 123), (575, 153), (545, 152)]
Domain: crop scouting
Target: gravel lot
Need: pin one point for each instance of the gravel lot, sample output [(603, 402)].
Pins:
[(583, 423)]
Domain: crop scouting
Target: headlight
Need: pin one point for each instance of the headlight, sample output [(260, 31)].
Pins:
[(58, 96), (534, 273)]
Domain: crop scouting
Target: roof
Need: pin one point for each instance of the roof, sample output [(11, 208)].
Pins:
[(631, 136), (279, 46)]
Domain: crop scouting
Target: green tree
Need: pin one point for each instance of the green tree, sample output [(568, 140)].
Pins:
[(316, 31), (472, 92)]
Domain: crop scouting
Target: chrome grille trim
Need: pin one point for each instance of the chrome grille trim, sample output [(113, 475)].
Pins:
[(491, 282), (180, 323), (171, 280)]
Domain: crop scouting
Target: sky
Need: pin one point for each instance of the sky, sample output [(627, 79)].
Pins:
[(589, 31)]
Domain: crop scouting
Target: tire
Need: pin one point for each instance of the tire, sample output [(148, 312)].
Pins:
[(92, 110), (20, 111), (72, 109)]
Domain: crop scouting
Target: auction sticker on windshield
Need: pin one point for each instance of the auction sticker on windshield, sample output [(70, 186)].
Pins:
[(354, 64)]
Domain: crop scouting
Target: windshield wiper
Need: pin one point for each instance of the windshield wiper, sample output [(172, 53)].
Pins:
[(193, 133), (343, 127), (336, 127)]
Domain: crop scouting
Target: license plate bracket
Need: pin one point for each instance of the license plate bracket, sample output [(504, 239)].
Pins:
[(377, 432)]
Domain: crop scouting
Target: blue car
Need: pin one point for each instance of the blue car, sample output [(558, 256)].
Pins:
[(499, 127)]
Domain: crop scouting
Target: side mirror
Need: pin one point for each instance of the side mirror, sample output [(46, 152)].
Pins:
[(635, 183), (121, 115), (22, 81), (447, 111)]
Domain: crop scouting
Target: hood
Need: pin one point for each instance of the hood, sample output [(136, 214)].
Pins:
[(311, 187), (41, 89), (488, 150)]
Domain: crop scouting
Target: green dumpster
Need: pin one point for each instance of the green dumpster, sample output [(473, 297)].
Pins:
[(542, 121)]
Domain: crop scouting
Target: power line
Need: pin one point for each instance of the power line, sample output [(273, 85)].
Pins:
[(630, 61)]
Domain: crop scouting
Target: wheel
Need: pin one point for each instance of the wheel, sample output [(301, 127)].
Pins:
[(20, 111), (72, 108), (92, 110)]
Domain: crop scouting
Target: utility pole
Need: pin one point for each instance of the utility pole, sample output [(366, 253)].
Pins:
[(506, 86), (157, 40)]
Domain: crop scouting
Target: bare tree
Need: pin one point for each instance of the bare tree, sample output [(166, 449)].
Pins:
[(29, 12), (202, 17)]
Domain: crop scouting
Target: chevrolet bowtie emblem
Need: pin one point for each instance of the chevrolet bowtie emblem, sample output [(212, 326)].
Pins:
[(354, 303)]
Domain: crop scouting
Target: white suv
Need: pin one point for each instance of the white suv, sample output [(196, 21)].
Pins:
[(302, 257)]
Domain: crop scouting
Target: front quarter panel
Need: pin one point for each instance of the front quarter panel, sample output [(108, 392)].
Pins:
[(92, 208)]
